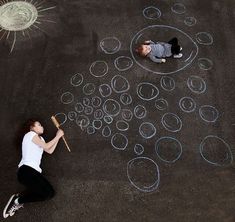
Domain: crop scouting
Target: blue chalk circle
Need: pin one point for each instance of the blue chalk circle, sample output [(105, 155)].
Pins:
[(125, 99), (168, 149), (204, 38), (187, 104), (105, 90), (72, 115), (99, 68), (167, 83), (86, 101), (171, 122), (123, 63), (127, 114), (147, 130), (108, 119), (190, 21), (98, 114), (208, 113), (111, 107), (110, 45), (161, 104), (106, 131), (205, 63), (88, 110), (119, 141), (178, 8), (97, 124), (196, 84), (82, 121), (138, 149), (79, 107), (96, 101), (67, 98), (120, 84), (61, 118), (90, 130), (122, 125), (140, 112), (152, 13), (89, 88), (147, 91), (76, 80)]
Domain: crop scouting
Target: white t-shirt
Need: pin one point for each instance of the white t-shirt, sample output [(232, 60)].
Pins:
[(31, 153)]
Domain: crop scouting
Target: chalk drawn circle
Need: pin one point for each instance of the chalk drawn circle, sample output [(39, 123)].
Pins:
[(171, 122), (196, 84), (138, 149), (88, 110), (190, 21), (168, 149), (108, 119), (127, 114), (178, 8), (122, 125), (216, 151), (105, 90), (96, 101), (98, 114), (119, 141), (140, 112), (187, 104), (125, 99), (79, 107), (204, 38), (161, 104), (61, 118), (106, 131), (90, 130), (67, 98), (110, 45), (167, 83), (143, 173), (97, 124), (208, 113), (159, 32), (123, 63), (152, 13), (205, 63), (120, 84), (147, 130), (86, 101), (147, 91), (17, 15), (111, 107), (76, 80), (82, 121), (99, 68), (89, 89), (72, 115)]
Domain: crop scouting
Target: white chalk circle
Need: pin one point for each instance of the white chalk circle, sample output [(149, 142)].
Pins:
[(147, 130), (122, 125), (138, 149), (111, 107), (99, 68), (127, 114), (196, 84), (89, 89), (205, 63), (158, 33), (187, 104), (167, 83), (216, 151), (72, 115), (120, 84), (140, 112), (98, 114), (168, 149), (86, 101), (105, 90), (76, 80), (123, 63), (190, 21), (161, 104), (17, 15), (208, 113), (106, 131), (108, 119), (96, 101), (143, 173), (110, 45), (88, 110), (79, 107), (67, 98), (61, 118), (119, 141), (82, 121), (97, 124), (178, 8), (152, 13), (125, 99), (147, 91), (204, 38), (90, 130), (171, 122)]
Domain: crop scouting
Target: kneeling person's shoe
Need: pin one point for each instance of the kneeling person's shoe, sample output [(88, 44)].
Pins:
[(178, 56), (11, 207)]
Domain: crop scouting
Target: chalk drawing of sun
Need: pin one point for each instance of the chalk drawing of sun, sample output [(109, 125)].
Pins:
[(21, 17)]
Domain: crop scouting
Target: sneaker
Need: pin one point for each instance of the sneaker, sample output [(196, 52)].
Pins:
[(178, 56), (11, 207), (181, 48)]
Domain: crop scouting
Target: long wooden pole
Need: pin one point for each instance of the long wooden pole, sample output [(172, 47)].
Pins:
[(57, 125)]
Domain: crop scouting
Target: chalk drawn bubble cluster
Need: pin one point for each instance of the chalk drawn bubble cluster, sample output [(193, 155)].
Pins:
[(110, 45), (143, 173), (119, 141), (216, 151), (190, 21), (105, 90), (208, 113), (111, 107), (140, 112), (147, 130), (167, 83), (138, 149), (161, 104), (152, 13), (196, 84), (123, 63), (99, 68), (171, 122), (187, 104), (147, 91), (77, 79), (120, 84)]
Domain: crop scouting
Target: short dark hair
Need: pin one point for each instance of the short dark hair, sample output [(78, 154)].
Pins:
[(175, 49)]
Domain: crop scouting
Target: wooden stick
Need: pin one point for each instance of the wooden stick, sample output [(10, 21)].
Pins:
[(57, 125)]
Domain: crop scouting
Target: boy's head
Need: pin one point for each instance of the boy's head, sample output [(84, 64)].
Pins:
[(143, 50)]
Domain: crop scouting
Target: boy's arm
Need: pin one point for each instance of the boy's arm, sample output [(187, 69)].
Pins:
[(155, 59)]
